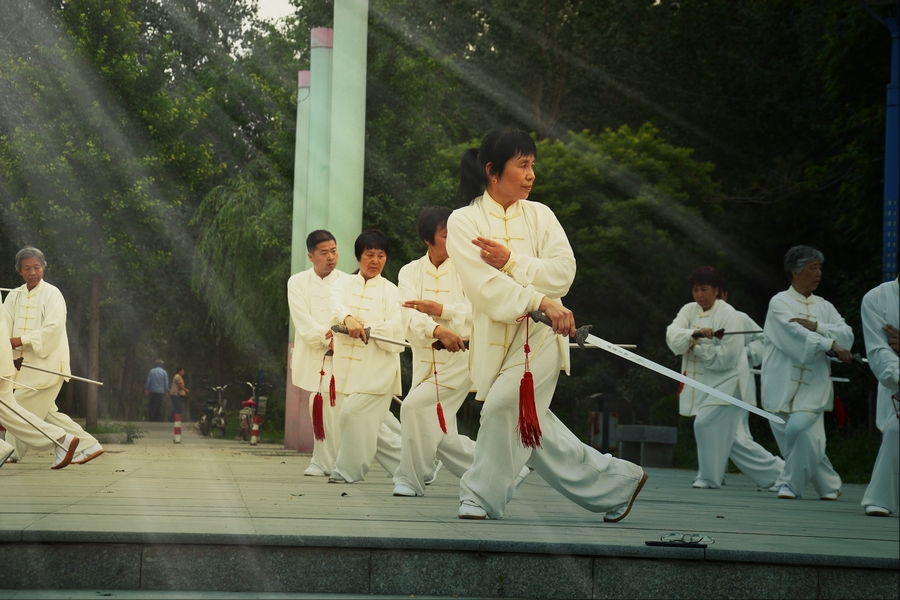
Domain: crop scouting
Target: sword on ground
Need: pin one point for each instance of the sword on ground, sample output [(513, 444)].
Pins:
[(582, 335), (19, 364), (21, 416)]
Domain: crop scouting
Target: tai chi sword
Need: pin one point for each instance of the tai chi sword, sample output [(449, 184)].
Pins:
[(18, 362), (582, 335)]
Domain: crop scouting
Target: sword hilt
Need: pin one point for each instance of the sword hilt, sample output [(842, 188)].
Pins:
[(720, 333), (340, 328), (18, 363), (580, 334), (439, 345)]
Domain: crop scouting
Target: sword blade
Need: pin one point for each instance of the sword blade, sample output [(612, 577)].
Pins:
[(649, 364), (84, 379)]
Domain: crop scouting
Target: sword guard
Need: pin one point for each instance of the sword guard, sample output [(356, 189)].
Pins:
[(339, 328), (539, 317), (439, 345), (581, 335), (18, 363)]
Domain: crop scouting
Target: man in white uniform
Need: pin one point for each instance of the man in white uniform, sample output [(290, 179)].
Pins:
[(434, 308), (26, 427), (881, 330), (366, 374), (36, 313), (796, 374), (718, 363), (309, 298), (513, 257)]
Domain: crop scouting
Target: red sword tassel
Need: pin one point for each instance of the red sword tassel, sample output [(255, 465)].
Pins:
[(529, 427), (437, 394)]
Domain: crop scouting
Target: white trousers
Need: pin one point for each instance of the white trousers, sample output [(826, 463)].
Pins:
[(884, 487), (24, 426), (801, 440), (325, 451), (595, 481), (421, 438), (368, 433), (43, 404), (720, 434)]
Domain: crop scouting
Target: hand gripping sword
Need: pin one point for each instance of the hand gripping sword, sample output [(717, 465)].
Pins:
[(582, 335)]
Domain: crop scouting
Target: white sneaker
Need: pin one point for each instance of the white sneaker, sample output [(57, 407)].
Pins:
[(314, 470), (877, 511), (831, 495), (87, 455), (337, 478), (520, 478), (64, 455), (786, 493), (401, 489), (437, 469), (470, 510), (701, 485), (774, 488), (6, 450)]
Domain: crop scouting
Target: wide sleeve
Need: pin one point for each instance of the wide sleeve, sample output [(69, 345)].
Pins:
[(793, 339), (391, 326), (459, 315), (311, 332), (45, 339), (835, 328), (756, 344), (498, 295), (884, 362), (679, 332), (552, 273), (724, 354), (418, 326)]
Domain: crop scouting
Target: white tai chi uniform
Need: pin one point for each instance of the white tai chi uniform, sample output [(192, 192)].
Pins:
[(541, 264), (796, 384), (14, 418), (879, 307), (754, 344), (39, 318), (309, 297), (421, 435), (366, 375), (719, 364)]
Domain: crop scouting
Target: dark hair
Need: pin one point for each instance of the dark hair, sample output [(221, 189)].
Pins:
[(371, 239), (706, 276), (317, 237), (430, 220), (497, 147)]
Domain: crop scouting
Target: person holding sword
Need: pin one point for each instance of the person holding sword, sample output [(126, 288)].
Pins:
[(513, 257)]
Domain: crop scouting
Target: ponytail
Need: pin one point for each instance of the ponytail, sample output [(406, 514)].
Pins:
[(472, 178)]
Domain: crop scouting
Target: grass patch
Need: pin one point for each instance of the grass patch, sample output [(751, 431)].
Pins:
[(132, 432)]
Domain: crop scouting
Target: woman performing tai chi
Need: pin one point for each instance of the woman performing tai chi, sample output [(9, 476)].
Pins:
[(513, 257)]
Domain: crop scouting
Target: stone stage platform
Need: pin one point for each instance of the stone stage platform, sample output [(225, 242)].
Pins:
[(219, 515)]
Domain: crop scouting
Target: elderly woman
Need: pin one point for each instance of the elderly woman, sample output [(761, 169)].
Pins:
[(796, 374), (719, 363), (366, 374), (36, 313), (513, 257)]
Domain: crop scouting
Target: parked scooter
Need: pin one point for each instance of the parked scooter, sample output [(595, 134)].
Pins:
[(250, 409)]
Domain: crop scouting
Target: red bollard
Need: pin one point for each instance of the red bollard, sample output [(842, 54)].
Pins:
[(254, 431), (177, 439)]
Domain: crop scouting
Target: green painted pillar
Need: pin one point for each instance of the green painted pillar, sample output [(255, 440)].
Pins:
[(348, 126), (320, 138), (297, 425)]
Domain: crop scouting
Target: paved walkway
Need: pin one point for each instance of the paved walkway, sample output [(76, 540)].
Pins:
[(211, 491)]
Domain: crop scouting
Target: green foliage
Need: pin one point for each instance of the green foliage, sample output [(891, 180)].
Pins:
[(132, 432)]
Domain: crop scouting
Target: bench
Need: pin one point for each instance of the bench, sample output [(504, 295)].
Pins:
[(647, 445)]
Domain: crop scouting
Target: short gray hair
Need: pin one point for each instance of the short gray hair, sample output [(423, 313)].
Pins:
[(158, 363), (30, 252), (797, 257)]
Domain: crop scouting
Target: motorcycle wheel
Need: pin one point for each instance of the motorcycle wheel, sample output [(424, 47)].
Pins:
[(222, 429), (245, 431), (204, 426)]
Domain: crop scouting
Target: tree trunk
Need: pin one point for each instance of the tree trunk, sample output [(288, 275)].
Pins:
[(73, 345), (126, 385), (94, 354)]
